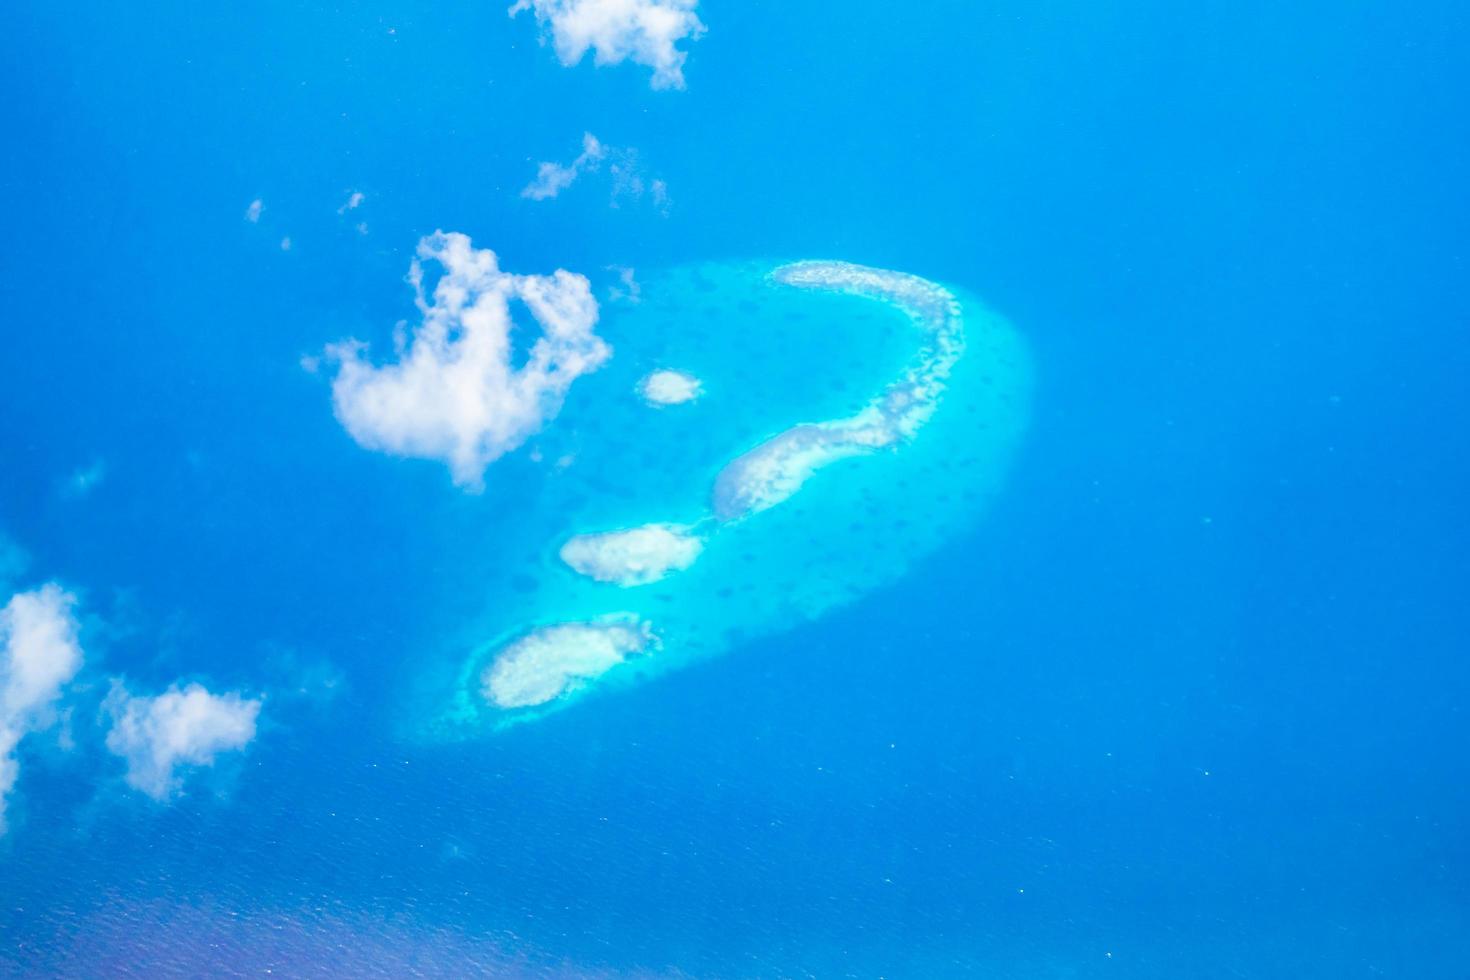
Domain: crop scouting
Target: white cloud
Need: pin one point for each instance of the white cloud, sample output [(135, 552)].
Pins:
[(180, 727), (252, 213), (354, 201), (454, 394), (625, 171), (286, 244), (553, 178), (39, 655), (642, 31)]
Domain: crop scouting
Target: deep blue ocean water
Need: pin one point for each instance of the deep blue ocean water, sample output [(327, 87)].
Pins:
[(1187, 699)]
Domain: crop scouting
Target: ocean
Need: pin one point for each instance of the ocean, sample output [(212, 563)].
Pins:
[(1170, 682)]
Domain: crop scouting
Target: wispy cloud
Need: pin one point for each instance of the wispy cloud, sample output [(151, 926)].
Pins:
[(294, 676), (628, 287), (624, 169), (182, 727), (630, 183), (252, 213), (644, 32), (39, 655), (84, 480), (353, 202), (553, 178), (454, 394)]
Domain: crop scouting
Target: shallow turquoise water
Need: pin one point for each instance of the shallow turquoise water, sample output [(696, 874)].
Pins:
[(770, 356), (1182, 695)]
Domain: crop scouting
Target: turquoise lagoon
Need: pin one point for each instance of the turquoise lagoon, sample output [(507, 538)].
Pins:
[(887, 407)]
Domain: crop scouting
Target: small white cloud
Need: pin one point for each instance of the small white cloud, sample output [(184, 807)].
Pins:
[(181, 727), (286, 244), (644, 32), (454, 394), (39, 654), (252, 213), (624, 169), (665, 387), (353, 202), (553, 178), (85, 480)]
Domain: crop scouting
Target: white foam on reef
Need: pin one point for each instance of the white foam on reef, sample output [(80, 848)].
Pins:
[(636, 556), (773, 471), (553, 661), (665, 387)]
